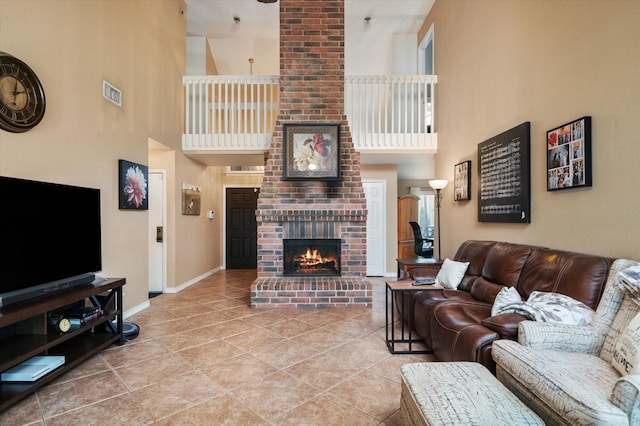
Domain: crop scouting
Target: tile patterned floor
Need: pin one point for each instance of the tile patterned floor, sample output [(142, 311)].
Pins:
[(204, 357)]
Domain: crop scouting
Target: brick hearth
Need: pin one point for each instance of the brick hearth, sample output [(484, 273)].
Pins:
[(312, 91)]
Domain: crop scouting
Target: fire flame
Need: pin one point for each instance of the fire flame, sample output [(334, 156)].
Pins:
[(312, 257), (315, 255)]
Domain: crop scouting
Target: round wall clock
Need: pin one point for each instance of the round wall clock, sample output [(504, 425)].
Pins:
[(22, 101)]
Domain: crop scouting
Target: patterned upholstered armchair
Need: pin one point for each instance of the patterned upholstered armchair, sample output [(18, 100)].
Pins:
[(564, 372)]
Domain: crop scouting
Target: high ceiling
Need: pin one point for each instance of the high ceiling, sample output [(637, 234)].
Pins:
[(256, 35)]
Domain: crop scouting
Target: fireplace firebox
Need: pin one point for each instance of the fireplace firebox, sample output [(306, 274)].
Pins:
[(311, 257)]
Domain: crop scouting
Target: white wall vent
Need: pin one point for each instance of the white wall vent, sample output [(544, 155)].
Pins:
[(112, 93)]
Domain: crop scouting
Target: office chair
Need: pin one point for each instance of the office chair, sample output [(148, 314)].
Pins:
[(423, 247)]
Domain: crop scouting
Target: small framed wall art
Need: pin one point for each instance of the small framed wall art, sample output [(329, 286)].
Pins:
[(569, 155), (462, 181), (311, 152), (132, 184), (191, 196)]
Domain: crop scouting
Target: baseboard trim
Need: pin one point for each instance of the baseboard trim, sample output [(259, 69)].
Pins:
[(141, 307), (192, 281)]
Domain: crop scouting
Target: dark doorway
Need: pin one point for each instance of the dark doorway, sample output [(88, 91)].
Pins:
[(242, 239)]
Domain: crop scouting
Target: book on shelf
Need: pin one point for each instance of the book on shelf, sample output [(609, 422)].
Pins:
[(82, 315), (33, 368), (83, 312)]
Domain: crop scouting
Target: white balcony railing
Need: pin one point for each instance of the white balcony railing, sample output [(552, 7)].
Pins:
[(237, 114), (230, 113), (391, 113)]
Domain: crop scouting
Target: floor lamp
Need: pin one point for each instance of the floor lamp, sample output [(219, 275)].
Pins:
[(438, 185)]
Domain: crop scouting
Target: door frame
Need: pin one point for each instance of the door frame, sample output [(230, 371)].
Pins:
[(224, 216), (163, 172)]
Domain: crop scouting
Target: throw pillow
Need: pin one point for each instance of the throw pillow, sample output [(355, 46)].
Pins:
[(626, 352), (451, 273), (505, 297)]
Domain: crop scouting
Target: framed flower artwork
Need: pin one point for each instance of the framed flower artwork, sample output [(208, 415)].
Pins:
[(311, 152), (132, 186)]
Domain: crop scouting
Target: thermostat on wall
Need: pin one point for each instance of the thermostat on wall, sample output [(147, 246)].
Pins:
[(112, 93)]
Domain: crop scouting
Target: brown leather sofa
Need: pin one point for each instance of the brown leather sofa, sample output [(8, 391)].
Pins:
[(457, 324)]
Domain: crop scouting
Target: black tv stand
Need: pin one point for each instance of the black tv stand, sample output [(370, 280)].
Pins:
[(25, 333)]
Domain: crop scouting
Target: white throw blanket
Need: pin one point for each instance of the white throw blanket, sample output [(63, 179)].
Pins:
[(629, 281), (545, 307)]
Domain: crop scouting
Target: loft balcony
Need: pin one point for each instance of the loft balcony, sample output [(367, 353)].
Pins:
[(237, 114)]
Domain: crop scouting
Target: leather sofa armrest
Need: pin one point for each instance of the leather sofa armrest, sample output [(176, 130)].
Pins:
[(626, 396), (506, 325), (560, 337)]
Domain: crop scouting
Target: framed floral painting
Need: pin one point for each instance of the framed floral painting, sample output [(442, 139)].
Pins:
[(132, 192), (311, 152)]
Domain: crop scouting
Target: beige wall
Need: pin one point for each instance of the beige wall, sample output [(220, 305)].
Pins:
[(500, 63), (197, 238), (211, 67), (405, 185), (138, 46)]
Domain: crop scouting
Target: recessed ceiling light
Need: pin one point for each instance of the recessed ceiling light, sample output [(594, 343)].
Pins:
[(267, 1)]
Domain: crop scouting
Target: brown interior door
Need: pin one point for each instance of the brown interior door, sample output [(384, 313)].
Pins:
[(242, 239)]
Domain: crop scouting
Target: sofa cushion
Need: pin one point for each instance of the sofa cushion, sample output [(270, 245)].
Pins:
[(558, 271), (474, 252), (426, 302), (502, 267), (584, 268), (451, 273), (506, 325), (456, 332), (504, 263), (626, 352), (485, 291), (555, 383)]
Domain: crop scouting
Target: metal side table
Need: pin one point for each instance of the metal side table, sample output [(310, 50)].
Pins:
[(403, 289)]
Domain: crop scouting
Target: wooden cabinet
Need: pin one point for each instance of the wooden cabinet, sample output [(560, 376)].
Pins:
[(407, 212), (25, 333)]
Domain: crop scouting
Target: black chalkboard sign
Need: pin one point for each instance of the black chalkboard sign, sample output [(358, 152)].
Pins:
[(504, 190)]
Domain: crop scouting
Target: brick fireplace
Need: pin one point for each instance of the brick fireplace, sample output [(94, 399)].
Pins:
[(312, 92)]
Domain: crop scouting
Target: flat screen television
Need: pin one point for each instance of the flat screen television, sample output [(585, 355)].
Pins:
[(50, 238)]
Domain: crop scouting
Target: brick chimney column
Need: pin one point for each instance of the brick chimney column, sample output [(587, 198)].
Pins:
[(311, 91)]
